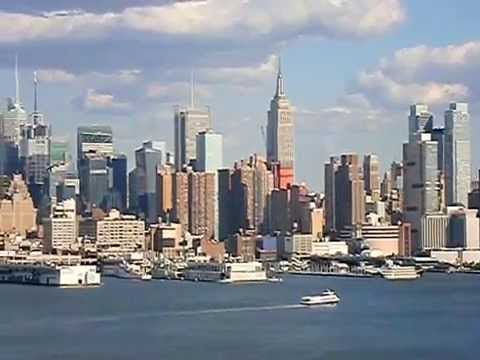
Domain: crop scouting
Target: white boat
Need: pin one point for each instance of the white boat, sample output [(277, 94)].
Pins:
[(137, 270), (396, 272), (327, 297), (226, 272)]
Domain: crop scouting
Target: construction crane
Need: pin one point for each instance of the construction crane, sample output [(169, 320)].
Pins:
[(264, 137)]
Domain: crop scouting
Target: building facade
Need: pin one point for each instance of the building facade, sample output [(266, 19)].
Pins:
[(371, 175), (188, 123), (61, 229), (349, 192), (118, 233), (148, 158), (457, 154)]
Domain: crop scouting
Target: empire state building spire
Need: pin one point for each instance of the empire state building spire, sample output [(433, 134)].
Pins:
[(281, 136), (280, 92)]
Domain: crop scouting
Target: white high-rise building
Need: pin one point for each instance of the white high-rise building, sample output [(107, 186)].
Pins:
[(457, 154), (209, 150), (421, 183)]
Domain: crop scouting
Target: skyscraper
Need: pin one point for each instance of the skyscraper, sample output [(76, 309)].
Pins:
[(61, 165), (35, 152), (9, 163), (349, 192), (118, 180), (15, 116), (420, 120), (251, 186), (281, 134), (93, 174), (188, 122), (165, 191), (201, 204), (180, 212), (330, 212), (94, 138), (209, 151), (371, 175), (149, 157), (421, 183), (209, 158), (224, 203), (457, 153)]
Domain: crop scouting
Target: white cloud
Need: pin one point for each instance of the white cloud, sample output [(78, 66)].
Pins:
[(421, 61), (97, 101), (213, 18), (390, 91), (55, 76), (434, 75), (242, 75), (122, 77), (176, 92)]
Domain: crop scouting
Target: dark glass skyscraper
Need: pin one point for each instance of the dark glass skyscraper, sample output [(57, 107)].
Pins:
[(118, 166), (93, 173)]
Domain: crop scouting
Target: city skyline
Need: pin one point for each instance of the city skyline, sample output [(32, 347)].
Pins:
[(367, 95)]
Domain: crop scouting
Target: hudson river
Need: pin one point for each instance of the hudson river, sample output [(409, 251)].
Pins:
[(436, 317)]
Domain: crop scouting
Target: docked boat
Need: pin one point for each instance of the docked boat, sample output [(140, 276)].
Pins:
[(51, 275), (226, 272), (327, 297), (130, 269), (397, 272)]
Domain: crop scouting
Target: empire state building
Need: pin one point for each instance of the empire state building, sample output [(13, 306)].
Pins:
[(281, 136)]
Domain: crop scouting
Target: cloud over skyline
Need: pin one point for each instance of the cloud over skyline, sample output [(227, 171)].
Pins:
[(98, 61)]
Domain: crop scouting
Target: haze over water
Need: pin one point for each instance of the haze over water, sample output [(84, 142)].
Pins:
[(432, 318)]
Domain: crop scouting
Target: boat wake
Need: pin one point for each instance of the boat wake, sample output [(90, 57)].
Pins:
[(160, 314), (238, 309)]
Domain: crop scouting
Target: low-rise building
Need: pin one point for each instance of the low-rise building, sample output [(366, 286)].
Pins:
[(434, 231), (61, 231), (17, 212), (329, 248), (242, 245), (300, 244), (118, 233), (168, 239), (381, 238)]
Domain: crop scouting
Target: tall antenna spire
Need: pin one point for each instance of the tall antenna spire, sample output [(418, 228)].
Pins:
[(35, 92), (280, 86), (17, 84), (192, 90)]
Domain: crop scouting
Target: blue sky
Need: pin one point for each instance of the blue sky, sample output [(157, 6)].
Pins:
[(352, 68)]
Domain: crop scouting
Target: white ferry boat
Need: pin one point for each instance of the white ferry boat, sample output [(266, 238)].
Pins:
[(396, 272), (226, 273), (327, 297), (50, 275)]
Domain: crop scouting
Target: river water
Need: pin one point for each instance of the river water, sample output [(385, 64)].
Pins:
[(436, 317)]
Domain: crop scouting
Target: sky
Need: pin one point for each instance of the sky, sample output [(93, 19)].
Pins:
[(351, 68)]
